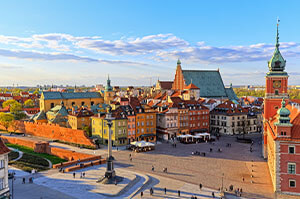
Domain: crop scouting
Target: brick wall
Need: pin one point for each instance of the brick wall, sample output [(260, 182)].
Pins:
[(54, 131), (67, 154)]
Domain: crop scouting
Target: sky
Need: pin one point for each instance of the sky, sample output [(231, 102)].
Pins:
[(138, 42)]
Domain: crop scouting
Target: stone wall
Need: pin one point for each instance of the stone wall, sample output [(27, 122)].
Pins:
[(53, 131)]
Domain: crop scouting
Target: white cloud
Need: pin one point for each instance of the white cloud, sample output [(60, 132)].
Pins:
[(159, 48)]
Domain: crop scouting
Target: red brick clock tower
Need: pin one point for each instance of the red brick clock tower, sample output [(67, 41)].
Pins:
[(276, 85)]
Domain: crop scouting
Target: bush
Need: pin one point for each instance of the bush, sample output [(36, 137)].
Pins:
[(35, 160)]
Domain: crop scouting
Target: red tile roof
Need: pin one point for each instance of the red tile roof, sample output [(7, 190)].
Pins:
[(191, 86), (3, 148)]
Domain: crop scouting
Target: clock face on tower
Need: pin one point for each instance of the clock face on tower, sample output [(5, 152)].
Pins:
[(276, 84)]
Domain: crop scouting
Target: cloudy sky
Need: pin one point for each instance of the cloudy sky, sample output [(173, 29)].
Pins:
[(137, 42)]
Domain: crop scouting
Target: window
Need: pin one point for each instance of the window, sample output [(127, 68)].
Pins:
[(104, 131), (52, 105), (292, 183), (292, 168), (82, 103), (2, 164), (292, 149), (1, 183), (92, 103), (276, 92), (73, 103)]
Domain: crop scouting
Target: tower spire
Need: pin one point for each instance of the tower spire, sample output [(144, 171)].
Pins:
[(277, 35)]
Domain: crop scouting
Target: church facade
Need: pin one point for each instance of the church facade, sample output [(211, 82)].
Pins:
[(281, 138)]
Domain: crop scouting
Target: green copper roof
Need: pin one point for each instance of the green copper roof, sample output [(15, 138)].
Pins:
[(283, 112), (76, 95), (178, 61), (283, 115), (230, 93), (277, 63), (209, 82), (108, 86), (40, 116)]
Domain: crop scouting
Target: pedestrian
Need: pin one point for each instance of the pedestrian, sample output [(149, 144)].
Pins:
[(92, 164), (165, 190), (130, 159), (210, 150), (213, 194), (74, 174), (23, 182), (142, 194), (152, 168), (241, 190), (151, 191), (80, 174), (129, 155), (83, 174), (178, 193), (117, 149), (116, 182), (166, 170), (200, 186)]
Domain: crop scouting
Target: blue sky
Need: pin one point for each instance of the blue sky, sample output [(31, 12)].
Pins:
[(80, 42)]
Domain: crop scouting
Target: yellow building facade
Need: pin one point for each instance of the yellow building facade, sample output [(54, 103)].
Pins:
[(48, 100)]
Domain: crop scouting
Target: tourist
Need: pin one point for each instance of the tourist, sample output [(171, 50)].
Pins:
[(152, 168), (210, 150), (83, 174), (165, 190), (178, 193), (116, 182), (200, 186), (213, 194), (80, 174), (142, 194), (130, 159), (74, 174), (92, 164), (151, 191), (243, 179), (23, 182)]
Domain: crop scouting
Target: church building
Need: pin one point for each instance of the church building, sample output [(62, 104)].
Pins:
[(209, 82)]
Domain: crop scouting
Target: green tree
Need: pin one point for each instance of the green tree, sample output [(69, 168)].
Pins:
[(29, 103), (15, 106), (36, 91), (6, 120)]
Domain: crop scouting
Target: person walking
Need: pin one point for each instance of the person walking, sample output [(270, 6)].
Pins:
[(80, 174), (151, 191), (213, 194), (200, 186), (142, 194), (23, 182), (165, 190), (83, 174), (178, 193), (152, 168), (74, 174), (243, 179)]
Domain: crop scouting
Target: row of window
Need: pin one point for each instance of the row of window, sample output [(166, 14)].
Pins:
[(195, 118), (194, 125), (73, 104), (147, 117), (198, 112), (142, 123)]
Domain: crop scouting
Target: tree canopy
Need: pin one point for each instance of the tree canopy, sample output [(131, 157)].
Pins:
[(29, 103), (15, 106), (6, 119)]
